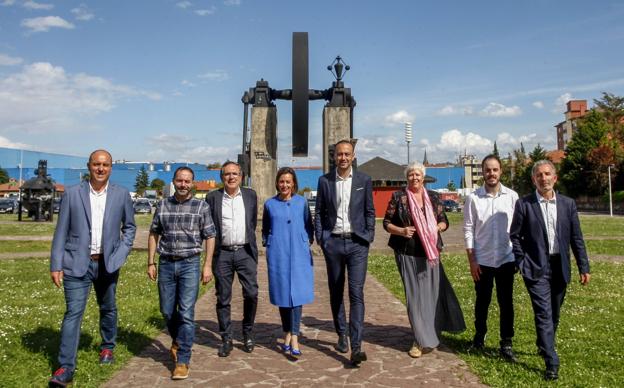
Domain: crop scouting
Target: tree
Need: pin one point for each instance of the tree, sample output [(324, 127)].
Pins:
[(506, 171), (522, 182), (4, 175), (578, 171), (157, 184), (495, 151), (141, 182), (612, 107), (213, 165), (451, 186)]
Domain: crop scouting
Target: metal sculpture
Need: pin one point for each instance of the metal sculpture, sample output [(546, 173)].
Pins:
[(37, 195)]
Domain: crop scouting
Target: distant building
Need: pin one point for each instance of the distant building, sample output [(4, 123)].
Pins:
[(472, 172), (576, 109)]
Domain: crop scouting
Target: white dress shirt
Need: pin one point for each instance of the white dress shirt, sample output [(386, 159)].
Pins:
[(549, 212), (98, 205), (233, 219), (487, 219), (343, 197)]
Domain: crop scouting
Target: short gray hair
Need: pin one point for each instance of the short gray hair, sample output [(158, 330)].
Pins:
[(543, 162), (414, 166)]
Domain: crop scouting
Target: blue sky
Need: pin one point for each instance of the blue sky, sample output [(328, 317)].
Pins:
[(162, 80)]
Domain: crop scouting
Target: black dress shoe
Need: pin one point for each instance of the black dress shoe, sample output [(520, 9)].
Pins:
[(248, 343), (507, 354), (343, 344), (552, 373), (226, 348), (357, 357)]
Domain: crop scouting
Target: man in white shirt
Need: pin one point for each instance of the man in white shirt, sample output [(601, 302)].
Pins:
[(488, 212), (87, 250), (345, 227), (234, 211)]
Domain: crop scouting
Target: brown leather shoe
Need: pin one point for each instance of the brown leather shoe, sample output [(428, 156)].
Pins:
[(173, 352), (180, 372)]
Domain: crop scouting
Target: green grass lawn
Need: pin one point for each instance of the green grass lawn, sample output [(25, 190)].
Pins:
[(31, 311), (589, 339), (602, 226), (604, 247), (24, 246), (27, 228), (143, 220)]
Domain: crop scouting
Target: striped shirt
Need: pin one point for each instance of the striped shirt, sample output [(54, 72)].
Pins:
[(182, 226)]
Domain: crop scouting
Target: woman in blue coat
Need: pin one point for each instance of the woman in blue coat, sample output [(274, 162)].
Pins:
[(287, 232)]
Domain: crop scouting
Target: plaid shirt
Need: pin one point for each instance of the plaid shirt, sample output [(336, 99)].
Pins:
[(182, 226)]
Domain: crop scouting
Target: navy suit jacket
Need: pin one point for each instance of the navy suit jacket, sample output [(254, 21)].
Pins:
[(250, 201), (361, 207), (71, 251), (530, 240)]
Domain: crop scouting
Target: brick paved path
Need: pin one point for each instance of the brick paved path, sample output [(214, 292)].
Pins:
[(387, 339)]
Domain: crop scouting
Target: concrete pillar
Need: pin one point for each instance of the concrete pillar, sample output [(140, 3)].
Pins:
[(263, 153), (336, 127)]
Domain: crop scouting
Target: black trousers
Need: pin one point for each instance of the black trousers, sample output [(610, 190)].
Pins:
[(224, 266), (504, 278), (547, 294)]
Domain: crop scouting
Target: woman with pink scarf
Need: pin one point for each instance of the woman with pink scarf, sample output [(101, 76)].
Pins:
[(415, 218)]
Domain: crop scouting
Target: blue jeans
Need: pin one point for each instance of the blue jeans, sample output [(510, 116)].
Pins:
[(178, 285), (291, 319), (76, 295)]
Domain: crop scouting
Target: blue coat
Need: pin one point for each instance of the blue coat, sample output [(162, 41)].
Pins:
[(287, 233)]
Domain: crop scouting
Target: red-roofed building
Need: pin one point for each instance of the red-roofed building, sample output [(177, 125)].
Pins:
[(576, 109)]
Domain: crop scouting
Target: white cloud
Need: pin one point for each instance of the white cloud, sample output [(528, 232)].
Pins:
[(43, 97), (43, 24), (185, 149), (538, 104), (30, 4), (82, 13), (184, 4), (451, 110), (399, 117), (206, 12), (6, 143), (215, 75), (188, 83), (494, 109), (560, 102), (232, 2), (6, 60), (8, 3)]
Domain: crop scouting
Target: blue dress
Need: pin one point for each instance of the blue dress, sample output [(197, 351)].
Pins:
[(287, 232)]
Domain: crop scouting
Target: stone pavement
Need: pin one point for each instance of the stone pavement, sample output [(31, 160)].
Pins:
[(387, 339)]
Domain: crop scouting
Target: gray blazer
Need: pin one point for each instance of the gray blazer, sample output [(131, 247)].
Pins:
[(72, 237)]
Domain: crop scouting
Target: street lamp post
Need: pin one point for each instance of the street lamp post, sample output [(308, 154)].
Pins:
[(610, 196), (408, 138)]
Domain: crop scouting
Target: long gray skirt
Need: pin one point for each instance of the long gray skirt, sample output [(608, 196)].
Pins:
[(421, 282)]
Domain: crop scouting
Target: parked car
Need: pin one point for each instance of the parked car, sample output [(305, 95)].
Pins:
[(56, 206), (142, 205), (452, 206), (8, 205)]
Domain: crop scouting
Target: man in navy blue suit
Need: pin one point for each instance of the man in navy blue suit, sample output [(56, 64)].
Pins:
[(544, 227), (345, 226)]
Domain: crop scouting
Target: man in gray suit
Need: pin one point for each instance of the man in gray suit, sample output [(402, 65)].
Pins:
[(93, 238)]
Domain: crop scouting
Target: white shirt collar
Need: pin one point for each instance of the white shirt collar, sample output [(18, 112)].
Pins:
[(542, 199), (349, 175), (238, 192), (92, 190)]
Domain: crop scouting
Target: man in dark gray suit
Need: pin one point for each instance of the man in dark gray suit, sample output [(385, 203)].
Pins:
[(345, 227), (234, 211), (545, 225), (92, 240)]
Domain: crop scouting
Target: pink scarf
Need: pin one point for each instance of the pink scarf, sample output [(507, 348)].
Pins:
[(426, 225)]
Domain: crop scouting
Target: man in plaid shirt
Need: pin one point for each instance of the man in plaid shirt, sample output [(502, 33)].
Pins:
[(180, 226)]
